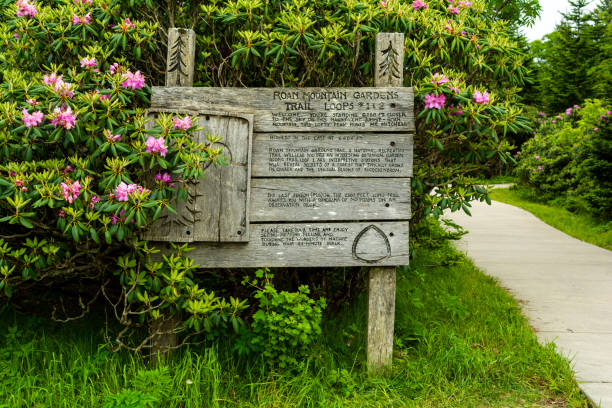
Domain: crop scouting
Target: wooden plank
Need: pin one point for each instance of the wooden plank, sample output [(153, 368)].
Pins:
[(330, 199), (218, 205), (332, 155), (389, 59), (388, 109), (310, 245), (181, 57), (381, 284), (381, 318)]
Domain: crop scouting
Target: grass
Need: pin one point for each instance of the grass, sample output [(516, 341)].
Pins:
[(581, 226), (461, 341)]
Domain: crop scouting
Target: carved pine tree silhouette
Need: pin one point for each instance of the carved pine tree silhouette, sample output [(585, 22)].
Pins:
[(177, 63), (390, 64)]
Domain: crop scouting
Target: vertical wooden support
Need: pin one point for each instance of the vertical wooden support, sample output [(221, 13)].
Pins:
[(180, 67), (181, 57), (381, 285)]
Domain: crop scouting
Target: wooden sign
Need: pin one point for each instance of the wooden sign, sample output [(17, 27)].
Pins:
[(350, 175), (317, 177)]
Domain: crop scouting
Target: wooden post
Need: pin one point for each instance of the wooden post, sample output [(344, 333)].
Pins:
[(180, 65), (389, 71), (180, 62)]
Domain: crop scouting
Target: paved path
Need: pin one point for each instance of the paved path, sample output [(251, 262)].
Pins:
[(564, 285)]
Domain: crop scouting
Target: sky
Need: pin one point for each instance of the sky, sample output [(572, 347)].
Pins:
[(550, 17)]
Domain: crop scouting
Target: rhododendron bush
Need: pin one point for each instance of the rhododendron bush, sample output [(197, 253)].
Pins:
[(465, 69), (82, 173)]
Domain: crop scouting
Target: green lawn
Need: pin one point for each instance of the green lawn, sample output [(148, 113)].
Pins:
[(581, 226), (461, 341)]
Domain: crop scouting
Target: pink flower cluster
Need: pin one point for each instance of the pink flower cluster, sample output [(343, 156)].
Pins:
[(124, 191), (64, 118), (94, 200), (439, 79), (133, 80), (164, 178), (71, 190), (88, 62), (61, 87), (481, 97), (110, 137), (433, 101), (88, 2), (127, 25), (32, 102), (183, 124), (32, 120), (26, 9), (113, 68), (453, 10), (418, 4), (85, 20), (156, 146)]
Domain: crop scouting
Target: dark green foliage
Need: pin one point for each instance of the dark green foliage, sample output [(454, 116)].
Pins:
[(574, 62), (286, 324), (569, 160)]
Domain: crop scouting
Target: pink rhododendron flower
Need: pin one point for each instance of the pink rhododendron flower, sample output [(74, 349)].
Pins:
[(51, 79), (382, 3), (124, 191), (68, 169), (433, 101), (183, 124), (83, 1), (26, 9), (156, 146), (110, 137), (114, 219), (104, 98), (609, 113), (455, 89), (94, 200), (465, 4), (568, 111), (113, 68), (595, 129), (164, 178), (64, 118), (34, 119), (540, 168), (133, 80), (576, 106), (481, 97), (15, 35), (418, 4), (32, 102), (85, 20), (453, 10), (64, 88), (439, 79), (62, 214), (127, 25), (71, 190), (19, 183), (88, 62), (537, 157)]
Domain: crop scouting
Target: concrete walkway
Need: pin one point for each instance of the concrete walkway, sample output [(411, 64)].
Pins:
[(564, 285)]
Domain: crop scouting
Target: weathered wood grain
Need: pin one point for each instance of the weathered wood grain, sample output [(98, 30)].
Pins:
[(389, 59), (332, 155), (388, 109), (218, 206), (180, 61), (381, 283), (381, 318), (310, 245), (330, 199)]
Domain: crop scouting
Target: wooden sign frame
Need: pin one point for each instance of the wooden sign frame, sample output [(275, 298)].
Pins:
[(317, 177)]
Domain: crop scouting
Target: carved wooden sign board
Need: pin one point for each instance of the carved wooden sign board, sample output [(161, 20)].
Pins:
[(317, 176)]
